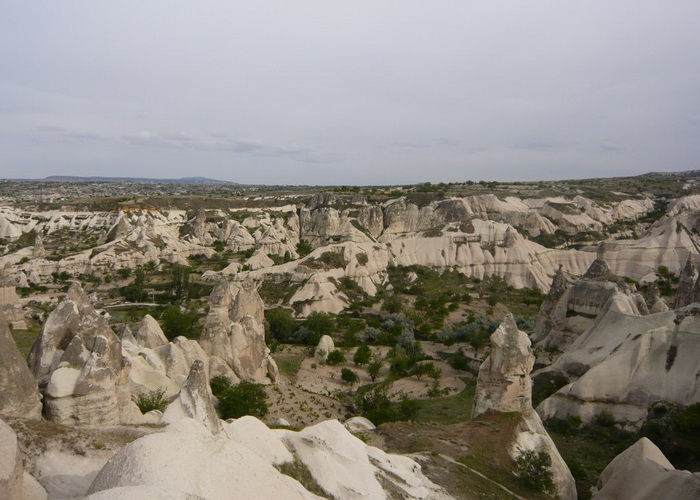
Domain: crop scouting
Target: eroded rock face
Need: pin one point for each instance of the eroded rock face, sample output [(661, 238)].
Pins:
[(642, 471), (11, 471), (324, 348), (234, 331), (19, 396), (244, 462), (77, 361), (626, 362), (504, 383), (150, 333), (504, 386), (195, 401)]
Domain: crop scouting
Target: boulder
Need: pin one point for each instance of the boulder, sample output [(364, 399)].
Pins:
[(643, 472), (19, 396), (194, 401), (324, 348)]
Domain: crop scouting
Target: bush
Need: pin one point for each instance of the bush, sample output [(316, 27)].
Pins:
[(335, 357), (348, 376), (362, 355), (152, 400), (374, 368), (534, 468), (281, 324), (246, 398)]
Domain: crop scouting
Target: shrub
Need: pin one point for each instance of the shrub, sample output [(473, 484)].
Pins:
[(175, 322), (246, 398), (152, 400), (281, 324), (348, 376), (375, 368), (362, 355), (335, 357), (534, 468)]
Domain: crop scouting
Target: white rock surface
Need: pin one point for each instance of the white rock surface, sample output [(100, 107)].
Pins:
[(11, 471), (150, 334), (19, 394), (324, 348), (643, 472)]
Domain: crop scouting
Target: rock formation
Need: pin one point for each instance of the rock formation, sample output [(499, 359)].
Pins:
[(625, 362), (11, 470), (150, 333), (642, 471), (19, 393), (324, 348), (504, 385), (234, 331), (77, 361), (195, 401), (246, 459)]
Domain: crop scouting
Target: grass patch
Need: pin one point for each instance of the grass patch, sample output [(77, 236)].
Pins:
[(289, 363), (449, 409), (297, 470), (25, 339)]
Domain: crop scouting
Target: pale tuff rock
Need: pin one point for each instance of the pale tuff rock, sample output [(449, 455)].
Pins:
[(347, 468), (38, 250), (628, 362), (234, 331), (245, 459), (195, 401), (685, 290), (359, 424), (642, 471), (77, 361), (150, 333), (324, 348), (11, 471), (19, 396), (546, 319), (504, 383)]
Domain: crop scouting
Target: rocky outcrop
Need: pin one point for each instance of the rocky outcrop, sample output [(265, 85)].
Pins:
[(324, 348), (194, 401), (247, 459), (11, 470), (77, 361), (504, 385), (625, 362), (642, 471), (234, 331), (19, 396), (150, 334)]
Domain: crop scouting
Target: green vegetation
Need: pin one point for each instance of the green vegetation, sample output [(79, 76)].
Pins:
[(335, 357), (152, 400), (246, 398), (25, 339), (175, 323), (535, 469), (362, 356), (349, 377)]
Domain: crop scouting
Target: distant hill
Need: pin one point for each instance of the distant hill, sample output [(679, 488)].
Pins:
[(200, 181)]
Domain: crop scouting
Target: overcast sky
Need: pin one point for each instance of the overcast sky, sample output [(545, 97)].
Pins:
[(353, 92)]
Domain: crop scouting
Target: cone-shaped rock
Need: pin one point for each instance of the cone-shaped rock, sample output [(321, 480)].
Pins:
[(150, 333), (195, 401), (19, 396), (504, 383)]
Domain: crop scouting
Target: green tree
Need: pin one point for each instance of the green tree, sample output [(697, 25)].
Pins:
[(304, 248), (246, 398), (181, 282), (362, 356), (281, 324), (320, 323), (348, 376), (375, 367), (535, 468), (176, 323), (335, 357)]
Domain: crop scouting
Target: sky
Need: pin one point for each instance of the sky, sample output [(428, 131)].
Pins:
[(354, 92)]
